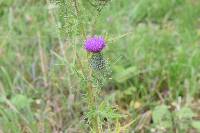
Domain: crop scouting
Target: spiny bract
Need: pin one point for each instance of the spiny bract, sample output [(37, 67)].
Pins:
[(97, 62)]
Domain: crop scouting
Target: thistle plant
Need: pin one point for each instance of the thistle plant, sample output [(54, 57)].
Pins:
[(97, 70), (94, 45), (98, 73)]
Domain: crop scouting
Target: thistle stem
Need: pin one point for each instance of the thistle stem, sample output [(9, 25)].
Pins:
[(90, 89), (92, 103)]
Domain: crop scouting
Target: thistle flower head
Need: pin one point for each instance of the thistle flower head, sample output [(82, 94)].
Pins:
[(95, 44)]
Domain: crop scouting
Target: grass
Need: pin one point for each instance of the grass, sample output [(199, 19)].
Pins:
[(152, 49)]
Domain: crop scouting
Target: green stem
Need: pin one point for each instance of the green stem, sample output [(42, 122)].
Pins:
[(82, 30), (92, 103), (90, 89)]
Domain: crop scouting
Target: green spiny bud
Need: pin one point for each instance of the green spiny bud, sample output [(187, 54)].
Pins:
[(97, 62)]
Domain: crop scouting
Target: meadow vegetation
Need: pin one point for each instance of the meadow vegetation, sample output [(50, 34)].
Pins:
[(153, 54)]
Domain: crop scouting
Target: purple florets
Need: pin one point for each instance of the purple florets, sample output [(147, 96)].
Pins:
[(95, 44)]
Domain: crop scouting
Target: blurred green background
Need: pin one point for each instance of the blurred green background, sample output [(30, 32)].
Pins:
[(153, 48)]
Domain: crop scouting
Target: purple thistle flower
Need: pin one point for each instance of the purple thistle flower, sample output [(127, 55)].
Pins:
[(95, 44)]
